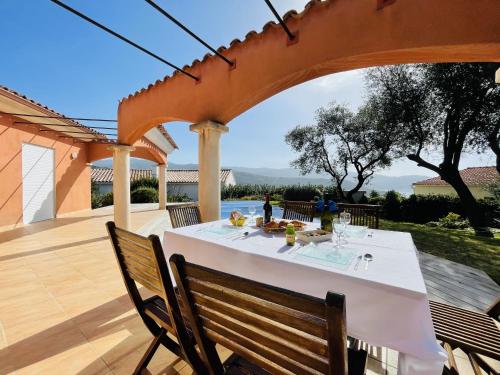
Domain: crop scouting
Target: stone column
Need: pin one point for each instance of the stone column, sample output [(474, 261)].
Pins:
[(121, 185), (209, 133), (162, 186)]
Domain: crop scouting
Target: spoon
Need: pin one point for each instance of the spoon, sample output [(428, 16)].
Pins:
[(367, 258), (240, 236)]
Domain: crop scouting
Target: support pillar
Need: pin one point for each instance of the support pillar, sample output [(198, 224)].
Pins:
[(162, 186), (121, 185), (209, 133)]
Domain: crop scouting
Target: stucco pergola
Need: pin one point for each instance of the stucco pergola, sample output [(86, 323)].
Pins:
[(154, 146), (331, 36)]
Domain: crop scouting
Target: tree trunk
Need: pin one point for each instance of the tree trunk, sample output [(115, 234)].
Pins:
[(355, 189), (472, 209)]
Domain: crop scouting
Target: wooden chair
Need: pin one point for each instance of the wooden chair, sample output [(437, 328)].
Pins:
[(184, 215), (269, 330), (299, 210), (142, 261), (362, 214), (476, 334)]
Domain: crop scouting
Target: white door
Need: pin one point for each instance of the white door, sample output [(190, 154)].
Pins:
[(38, 183)]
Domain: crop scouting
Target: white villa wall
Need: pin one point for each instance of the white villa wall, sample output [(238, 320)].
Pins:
[(230, 180), (103, 188), (191, 190)]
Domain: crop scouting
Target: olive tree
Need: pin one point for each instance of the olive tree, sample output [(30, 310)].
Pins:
[(452, 107), (342, 141)]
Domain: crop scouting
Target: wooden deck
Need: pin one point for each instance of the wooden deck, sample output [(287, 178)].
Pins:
[(457, 284)]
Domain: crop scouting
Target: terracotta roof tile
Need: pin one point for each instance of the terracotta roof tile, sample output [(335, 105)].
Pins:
[(105, 175), (167, 135), (186, 176), (179, 176), (474, 176), (250, 35), (51, 112)]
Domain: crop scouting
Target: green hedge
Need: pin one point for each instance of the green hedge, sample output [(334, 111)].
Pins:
[(245, 190), (290, 192), (151, 182), (144, 194), (107, 199), (178, 198), (421, 209)]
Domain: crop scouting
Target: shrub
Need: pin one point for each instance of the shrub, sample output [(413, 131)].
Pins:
[(144, 195), (301, 193), (107, 199), (453, 221), (363, 200), (421, 209), (377, 200), (95, 200), (494, 189), (277, 192), (151, 182), (392, 206), (178, 198)]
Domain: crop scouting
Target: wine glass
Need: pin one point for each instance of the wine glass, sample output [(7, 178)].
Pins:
[(345, 218), (339, 229), (252, 210)]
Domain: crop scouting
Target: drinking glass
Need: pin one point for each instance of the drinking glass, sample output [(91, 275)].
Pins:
[(252, 210), (339, 229)]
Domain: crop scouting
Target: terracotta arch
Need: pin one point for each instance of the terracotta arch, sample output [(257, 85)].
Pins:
[(144, 149), (333, 36)]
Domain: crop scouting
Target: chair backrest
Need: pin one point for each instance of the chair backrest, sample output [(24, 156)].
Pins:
[(362, 214), (299, 210), (142, 261), (279, 330), (184, 215)]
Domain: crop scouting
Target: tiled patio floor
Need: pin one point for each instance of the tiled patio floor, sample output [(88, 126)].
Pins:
[(64, 308)]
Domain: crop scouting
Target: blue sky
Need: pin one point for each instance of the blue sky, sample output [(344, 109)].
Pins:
[(58, 59)]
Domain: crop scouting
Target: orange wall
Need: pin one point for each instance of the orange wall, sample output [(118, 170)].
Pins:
[(72, 176)]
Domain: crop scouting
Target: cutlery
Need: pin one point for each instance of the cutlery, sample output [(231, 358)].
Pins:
[(240, 236), (367, 258), (358, 259)]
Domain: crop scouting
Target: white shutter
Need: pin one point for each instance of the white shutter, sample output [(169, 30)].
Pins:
[(38, 183)]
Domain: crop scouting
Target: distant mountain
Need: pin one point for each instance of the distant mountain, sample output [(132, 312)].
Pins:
[(289, 176), (250, 178)]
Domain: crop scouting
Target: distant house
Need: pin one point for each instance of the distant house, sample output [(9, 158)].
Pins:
[(179, 181), (103, 177), (476, 178), (183, 181)]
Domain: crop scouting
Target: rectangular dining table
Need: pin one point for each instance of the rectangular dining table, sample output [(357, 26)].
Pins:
[(387, 302)]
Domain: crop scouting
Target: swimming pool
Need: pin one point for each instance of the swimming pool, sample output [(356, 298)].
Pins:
[(243, 206)]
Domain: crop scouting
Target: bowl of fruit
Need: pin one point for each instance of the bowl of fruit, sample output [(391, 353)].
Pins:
[(237, 218)]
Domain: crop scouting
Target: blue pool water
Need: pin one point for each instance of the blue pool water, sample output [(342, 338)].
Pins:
[(243, 206)]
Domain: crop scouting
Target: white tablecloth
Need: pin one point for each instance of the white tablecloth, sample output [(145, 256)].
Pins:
[(387, 304)]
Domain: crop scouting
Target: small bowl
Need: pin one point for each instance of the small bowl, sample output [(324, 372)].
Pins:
[(238, 223)]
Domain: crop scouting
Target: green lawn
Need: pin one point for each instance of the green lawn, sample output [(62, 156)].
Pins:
[(456, 245)]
